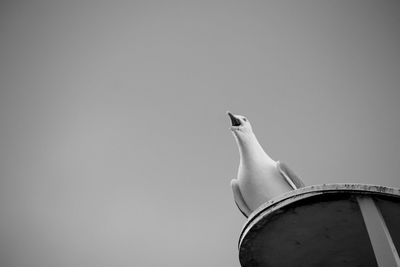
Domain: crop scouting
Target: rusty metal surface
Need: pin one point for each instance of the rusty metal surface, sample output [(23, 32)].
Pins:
[(384, 249), (314, 226)]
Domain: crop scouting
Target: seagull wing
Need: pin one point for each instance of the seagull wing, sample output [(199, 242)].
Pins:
[(293, 180), (237, 196)]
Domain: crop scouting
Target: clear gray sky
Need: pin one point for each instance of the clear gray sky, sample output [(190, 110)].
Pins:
[(114, 143)]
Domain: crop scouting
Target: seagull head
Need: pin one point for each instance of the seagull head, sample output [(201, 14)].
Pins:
[(240, 124)]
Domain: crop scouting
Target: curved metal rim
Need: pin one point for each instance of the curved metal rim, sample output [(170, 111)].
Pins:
[(305, 192)]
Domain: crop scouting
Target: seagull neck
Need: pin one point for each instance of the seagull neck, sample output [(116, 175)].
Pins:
[(250, 149)]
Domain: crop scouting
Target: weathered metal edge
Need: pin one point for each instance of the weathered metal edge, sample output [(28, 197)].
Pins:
[(313, 190)]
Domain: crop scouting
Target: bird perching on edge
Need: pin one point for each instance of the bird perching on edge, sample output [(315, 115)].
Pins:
[(260, 178)]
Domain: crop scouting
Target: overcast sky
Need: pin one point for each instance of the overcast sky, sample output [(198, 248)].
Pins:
[(114, 143)]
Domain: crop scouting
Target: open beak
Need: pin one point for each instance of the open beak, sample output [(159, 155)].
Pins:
[(235, 121)]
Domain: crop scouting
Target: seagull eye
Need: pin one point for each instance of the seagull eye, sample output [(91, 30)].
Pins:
[(244, 119)]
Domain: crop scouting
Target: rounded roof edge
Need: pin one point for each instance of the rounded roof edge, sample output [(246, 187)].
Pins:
[(309, 191)]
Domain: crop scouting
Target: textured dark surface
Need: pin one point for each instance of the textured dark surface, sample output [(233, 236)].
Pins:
[(325, 229), (390, 210)]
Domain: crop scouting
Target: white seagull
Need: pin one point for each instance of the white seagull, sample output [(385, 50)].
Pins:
[(260, 178)]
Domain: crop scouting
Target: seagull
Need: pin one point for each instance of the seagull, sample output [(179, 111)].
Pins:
[(259, 178)]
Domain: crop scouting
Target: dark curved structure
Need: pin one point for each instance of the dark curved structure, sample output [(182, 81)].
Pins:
[(325, 225)]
